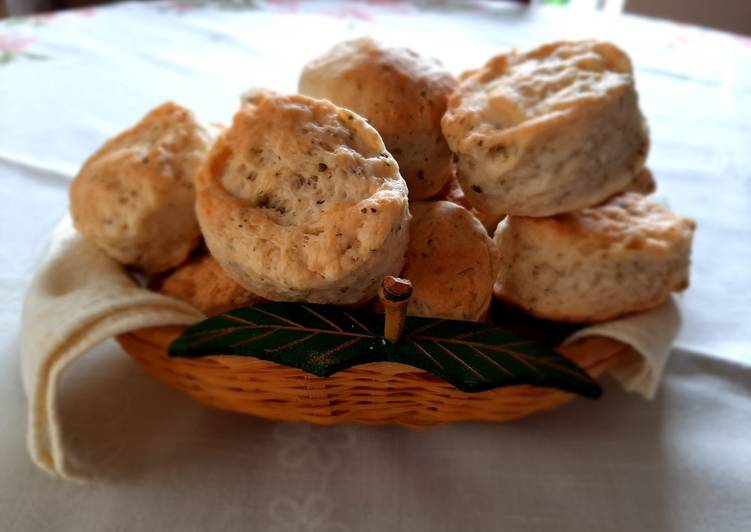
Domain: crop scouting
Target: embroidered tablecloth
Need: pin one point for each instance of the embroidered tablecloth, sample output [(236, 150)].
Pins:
[(681, 462)]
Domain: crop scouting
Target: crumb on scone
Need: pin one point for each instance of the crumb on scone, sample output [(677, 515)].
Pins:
[(595, 264), (135, 196), (300, 201), (402, 94)]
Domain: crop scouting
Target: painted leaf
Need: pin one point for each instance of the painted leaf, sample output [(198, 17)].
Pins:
[(550, 333), (325, 339)]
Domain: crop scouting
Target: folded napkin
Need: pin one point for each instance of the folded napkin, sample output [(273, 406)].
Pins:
[(80, 297)]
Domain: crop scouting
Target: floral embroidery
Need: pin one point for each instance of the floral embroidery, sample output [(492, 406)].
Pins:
[(319, 447), (185, 6), (14, 44), (12, 48), (350, 13), (310, 515), (84, 11)]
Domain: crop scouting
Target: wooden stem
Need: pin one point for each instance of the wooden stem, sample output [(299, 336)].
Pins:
[(394, 293)]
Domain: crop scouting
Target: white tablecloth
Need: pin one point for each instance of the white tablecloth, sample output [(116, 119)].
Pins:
[(681, 462)]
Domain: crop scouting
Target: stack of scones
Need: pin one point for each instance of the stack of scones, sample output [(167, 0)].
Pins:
[(523, 180)]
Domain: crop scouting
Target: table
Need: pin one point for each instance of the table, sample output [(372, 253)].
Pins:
[(681, 462)]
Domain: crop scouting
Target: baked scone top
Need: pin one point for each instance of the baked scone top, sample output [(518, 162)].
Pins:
[(293, 159), (554, 78), (299, 200), (402, 94), (135, 196), (628, 221), (393, 87)]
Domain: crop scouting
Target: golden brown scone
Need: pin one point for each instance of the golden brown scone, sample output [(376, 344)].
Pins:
[(202, 283), (135, 197), (596, 264), (451, 262), (547, 131), (299, 201), (402, 94)]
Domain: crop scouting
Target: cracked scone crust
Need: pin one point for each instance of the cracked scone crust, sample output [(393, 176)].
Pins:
[(402, 94), (451, 262), (300, 201), (203, 283), (547, 131), (135, 197), (596, 264)]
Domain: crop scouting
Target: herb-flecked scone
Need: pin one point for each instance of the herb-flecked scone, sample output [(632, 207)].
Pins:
[(300, 201), (451, 262), (595, 264), (203, 283), (548, 131), (402, 94), (135, 197)]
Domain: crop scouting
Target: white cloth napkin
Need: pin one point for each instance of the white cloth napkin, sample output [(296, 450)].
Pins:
[(80, 297)]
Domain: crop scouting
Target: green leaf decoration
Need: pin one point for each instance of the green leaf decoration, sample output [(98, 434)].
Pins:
[(550, 333), (325, 339)]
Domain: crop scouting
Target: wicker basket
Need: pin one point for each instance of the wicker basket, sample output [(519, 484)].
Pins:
[(381, 392)]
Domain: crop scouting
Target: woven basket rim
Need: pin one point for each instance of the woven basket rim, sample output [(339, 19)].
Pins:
[(161, 336), (374, 393)]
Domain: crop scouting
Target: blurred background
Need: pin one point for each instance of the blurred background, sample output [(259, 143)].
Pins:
[(728, 15)]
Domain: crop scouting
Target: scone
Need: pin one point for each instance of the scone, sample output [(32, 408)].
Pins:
[(402, 94), (203, 284), (547, 131), (300, 201), (135, 197), (451, 262), (595, 264)]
